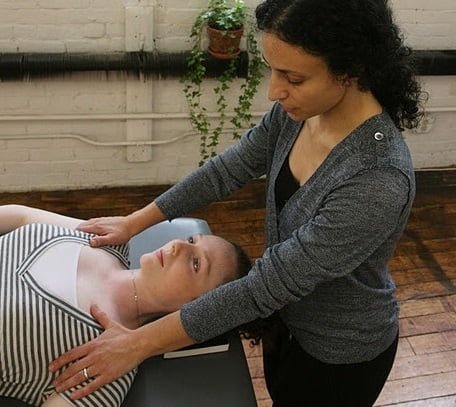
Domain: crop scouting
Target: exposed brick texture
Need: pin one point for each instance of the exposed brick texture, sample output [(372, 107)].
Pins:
[(30, 162)]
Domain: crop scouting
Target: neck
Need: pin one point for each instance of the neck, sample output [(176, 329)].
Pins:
[(352, 110), (134, 305), (123, 302)]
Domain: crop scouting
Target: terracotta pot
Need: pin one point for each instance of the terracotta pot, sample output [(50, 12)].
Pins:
[(224, 44)]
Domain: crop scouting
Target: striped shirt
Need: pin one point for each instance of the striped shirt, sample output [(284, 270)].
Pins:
[(37, 326)]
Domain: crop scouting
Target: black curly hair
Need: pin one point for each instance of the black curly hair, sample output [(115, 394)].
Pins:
[(358, 38)]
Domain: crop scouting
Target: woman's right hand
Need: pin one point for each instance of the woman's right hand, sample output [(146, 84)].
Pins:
[(108, 230)]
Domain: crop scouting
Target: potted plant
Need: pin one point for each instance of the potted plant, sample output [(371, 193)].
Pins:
[(232, 20), (225, 27)]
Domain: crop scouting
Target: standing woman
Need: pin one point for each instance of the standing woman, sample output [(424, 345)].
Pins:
[(340, 186)]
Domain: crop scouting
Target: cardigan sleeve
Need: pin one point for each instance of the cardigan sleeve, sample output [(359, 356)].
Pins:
[(223, 174), (355, 219)]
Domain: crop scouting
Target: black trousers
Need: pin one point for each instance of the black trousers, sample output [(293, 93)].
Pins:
[(295, 379)]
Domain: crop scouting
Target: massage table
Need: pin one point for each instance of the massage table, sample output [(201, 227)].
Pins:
[(217, 379)]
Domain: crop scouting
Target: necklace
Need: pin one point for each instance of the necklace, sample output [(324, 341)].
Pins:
[(135, 295)]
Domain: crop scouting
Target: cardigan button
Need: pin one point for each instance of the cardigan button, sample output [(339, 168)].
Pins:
[(379, 136)]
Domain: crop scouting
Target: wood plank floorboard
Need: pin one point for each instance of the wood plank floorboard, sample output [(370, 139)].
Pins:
[(424, 268)]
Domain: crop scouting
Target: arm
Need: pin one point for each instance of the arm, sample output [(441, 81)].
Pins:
[(261, 292), (353, 222), (120, 229), (117, 351), (226, 172), (222, 175), (217, 178), (14, 216)]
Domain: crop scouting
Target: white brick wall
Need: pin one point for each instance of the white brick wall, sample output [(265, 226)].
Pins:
[(29, 162)]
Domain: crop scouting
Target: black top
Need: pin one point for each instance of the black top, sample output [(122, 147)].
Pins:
[(286, 185)]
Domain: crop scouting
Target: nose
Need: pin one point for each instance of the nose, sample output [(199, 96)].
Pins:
[(176, 246), (276, 89)]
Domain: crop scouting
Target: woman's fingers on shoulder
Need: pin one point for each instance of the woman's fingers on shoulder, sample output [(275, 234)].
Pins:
[(107, 231), (101, 240), (101, 316), (90, 224), (102, 225)]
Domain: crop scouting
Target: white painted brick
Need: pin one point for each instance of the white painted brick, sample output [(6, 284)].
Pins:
[(115, 30), (29, 144), (99, 26), (183, 4), (440, 30), (166, 30), (17, 5), (12, 128), (179, 16), (48, 155), (19, 155), (436, 17), (13, 182), (171, 44), (51, 4), (423, 4), (9, 46), (107, 15), (6, 31), (95, 46), (24, 31), (48, 179), (13, 104), (25, 167), (406, 16), (108, 4), (24, 45)]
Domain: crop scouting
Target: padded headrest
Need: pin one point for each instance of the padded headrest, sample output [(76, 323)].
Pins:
[(156, 236)]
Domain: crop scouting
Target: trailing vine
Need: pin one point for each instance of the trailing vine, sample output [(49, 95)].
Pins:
[(220, 14)]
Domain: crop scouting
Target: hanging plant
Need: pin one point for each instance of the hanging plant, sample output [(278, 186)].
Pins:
[(231, 20)]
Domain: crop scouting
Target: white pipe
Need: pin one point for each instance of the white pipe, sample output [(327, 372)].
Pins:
[(105, 143), (439, 109), (111, 116), (130, 116), (149, 116), (93, 142)]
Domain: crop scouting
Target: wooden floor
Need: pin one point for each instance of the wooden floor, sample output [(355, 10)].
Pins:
[(424, 268)]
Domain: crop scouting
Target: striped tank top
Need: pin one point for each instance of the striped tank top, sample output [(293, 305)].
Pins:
[(36, 326)]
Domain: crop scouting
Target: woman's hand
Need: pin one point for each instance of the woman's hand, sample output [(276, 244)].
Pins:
[(112, 354), (120, 229), (109, 230)]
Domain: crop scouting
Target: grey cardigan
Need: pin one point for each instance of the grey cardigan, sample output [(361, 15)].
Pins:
[(325, 265)]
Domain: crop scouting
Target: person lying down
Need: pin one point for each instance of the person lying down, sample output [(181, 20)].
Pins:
[(50, 278)]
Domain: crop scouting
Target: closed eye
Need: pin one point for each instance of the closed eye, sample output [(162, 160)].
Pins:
[(294, 81)]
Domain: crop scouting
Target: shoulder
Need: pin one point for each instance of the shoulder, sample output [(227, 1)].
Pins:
[(35, 237), (377, 143)]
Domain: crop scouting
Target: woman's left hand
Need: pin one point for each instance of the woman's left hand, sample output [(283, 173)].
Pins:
[(104, 359)]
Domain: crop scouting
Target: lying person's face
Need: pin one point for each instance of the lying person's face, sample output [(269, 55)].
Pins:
[(182, 270)]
